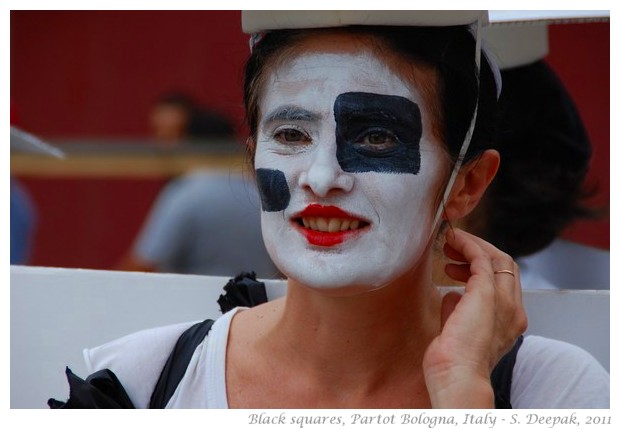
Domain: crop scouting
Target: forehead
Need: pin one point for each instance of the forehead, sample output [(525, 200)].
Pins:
[(321, 67)]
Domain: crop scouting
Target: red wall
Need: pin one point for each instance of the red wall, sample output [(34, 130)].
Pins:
[(93, 74), (88, 222), (84, 74), (580, 55)]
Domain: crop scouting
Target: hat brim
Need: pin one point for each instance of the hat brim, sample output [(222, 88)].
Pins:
[(254, 21), (21, 141)]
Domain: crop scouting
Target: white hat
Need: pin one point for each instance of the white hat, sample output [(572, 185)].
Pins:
[(519, 38), (254, 21), (21, 141), (528, 17)]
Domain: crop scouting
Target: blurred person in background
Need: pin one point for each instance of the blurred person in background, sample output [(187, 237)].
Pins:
[(23, 220), (23, 211), (24, 214), (204, 222), (176, 117)]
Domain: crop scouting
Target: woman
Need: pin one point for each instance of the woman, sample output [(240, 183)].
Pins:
[(354, 134)]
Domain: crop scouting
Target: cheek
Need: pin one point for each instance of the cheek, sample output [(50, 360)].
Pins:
[(401, 200), (406, 200), (273, 189)]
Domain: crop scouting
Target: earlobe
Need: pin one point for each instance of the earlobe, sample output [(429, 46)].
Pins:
[(470, 185)]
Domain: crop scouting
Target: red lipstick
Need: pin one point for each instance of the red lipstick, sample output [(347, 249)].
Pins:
[(318, 210), (324, 238)]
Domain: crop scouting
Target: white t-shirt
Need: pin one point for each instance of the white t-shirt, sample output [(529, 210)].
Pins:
[(548, 374)]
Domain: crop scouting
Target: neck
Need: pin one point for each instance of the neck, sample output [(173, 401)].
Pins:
[(371, 334)]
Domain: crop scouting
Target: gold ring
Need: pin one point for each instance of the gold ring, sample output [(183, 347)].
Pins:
[(504, 271)]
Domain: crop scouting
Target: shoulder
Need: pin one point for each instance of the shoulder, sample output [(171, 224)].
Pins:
[(136, 359), (186, 187), (206, 181), (204, 382), (554, 374)]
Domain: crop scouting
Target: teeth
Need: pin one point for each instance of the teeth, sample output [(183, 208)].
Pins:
[(312, 222), (330, 224)]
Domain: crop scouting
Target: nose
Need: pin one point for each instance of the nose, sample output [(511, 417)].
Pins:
[(324, 175)]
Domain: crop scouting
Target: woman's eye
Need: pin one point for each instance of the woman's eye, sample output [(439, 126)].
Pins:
[(378, 140), (291, 135)]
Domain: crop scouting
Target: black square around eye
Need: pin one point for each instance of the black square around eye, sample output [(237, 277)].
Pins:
[(359, 115)]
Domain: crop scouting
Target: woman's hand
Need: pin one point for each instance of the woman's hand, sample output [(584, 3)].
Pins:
[(478, 327)]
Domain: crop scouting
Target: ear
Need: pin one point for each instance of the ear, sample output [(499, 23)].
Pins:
[(470, 185)]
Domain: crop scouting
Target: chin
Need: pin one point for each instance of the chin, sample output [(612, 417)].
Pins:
[(338, 282), (343, 290), (344, 271)]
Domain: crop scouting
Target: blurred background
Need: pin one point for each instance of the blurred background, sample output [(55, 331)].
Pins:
[(136, 99)]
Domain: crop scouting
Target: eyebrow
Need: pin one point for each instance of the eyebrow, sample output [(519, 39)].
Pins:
[(291, 113)]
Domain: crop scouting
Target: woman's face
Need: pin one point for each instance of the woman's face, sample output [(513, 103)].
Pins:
[(347, 168)]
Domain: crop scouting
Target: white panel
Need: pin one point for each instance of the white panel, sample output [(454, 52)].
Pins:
[(55, 313)]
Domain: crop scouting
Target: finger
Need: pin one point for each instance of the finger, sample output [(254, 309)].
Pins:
[(505, 282), (504, 273), (479, 260), (453, 254), (458, 272), (500, 260), (510, 311), (518, 287), (521, 317)]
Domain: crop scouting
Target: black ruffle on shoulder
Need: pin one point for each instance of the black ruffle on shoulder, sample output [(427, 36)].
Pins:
[(101, 389), (242, 291)]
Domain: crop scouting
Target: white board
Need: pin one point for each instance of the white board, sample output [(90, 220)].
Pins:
[(56, 312)]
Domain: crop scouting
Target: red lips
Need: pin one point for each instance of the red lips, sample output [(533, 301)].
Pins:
[(325, 239), (318, 210)]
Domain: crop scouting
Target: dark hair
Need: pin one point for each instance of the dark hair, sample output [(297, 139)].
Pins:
[(205, 124), (545, 153), (448, 50), (178, 99), (201, 123)]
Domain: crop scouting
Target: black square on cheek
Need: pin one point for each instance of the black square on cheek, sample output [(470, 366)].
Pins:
[(273, 189)]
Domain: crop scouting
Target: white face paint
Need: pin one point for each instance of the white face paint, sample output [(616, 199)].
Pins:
[(391, 214)]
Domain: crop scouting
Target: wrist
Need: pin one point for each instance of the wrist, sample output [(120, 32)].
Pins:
[(459, 388)]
